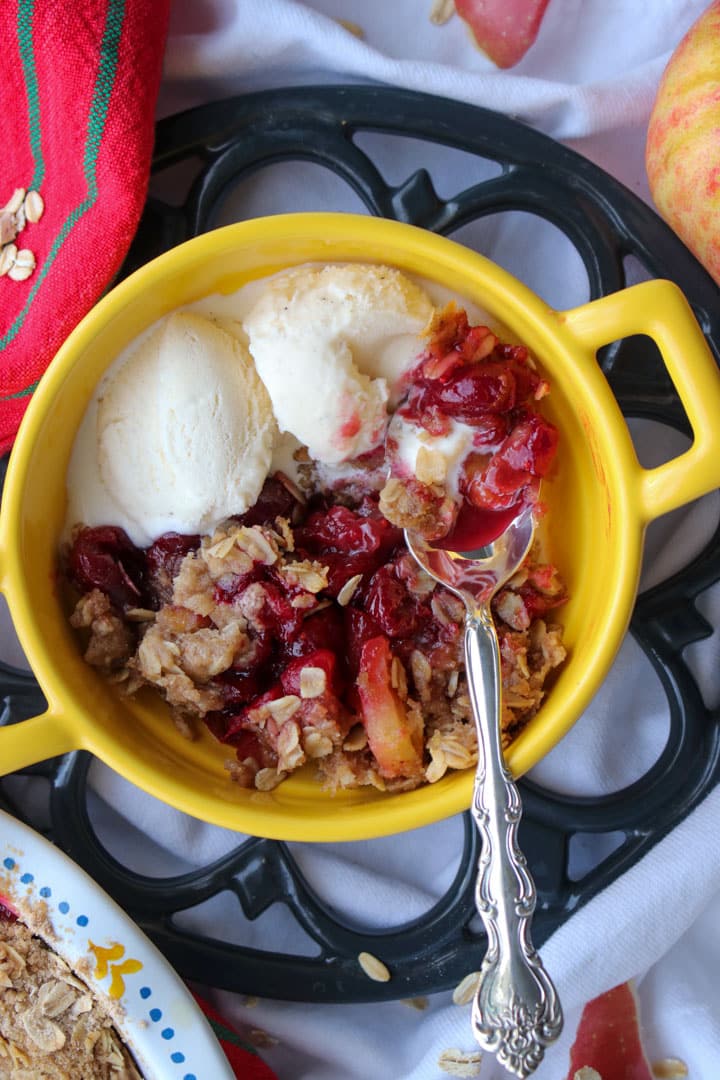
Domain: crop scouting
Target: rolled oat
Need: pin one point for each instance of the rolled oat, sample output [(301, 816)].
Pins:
[(284, 707), (374, 968), (669, 1069), (47, 1011), (15, 201), (313, 682), (441, 11), (356, 740), (420, 1004), (8, 227), (466, 989), (458, 1063), (348, 590), (261, 1038), (437, 767), (23, 265), (317, 745), (34, 206), (268, 779), (7, 258)]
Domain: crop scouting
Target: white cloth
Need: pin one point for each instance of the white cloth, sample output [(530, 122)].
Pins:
[(589, 81)]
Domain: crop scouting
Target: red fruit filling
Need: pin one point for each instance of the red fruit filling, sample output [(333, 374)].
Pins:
[(466, 376), (7, 911), (348, 542), (275, 500), (105, 558)]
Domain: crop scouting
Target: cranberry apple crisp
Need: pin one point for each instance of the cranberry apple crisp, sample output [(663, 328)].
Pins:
[(302, 630)]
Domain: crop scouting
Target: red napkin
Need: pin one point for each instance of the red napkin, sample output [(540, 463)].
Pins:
[(77, 99), (243, 1058)]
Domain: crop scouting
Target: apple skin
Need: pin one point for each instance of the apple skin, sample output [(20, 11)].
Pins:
[(504, 29), (682, 154)]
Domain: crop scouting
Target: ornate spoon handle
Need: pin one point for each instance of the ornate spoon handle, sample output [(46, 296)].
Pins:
[(516, 1012)]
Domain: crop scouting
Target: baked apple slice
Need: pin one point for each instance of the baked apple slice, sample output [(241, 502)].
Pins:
[(394, 732)]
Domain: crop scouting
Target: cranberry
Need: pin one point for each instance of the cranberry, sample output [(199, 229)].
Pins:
[(537, 604), (391, 605), (340, 568), (217, 722), (162, 560), (105, 558), (247, 745), (490, 430), (514, 470), (470, 392), (280, 617), (455, 342), (496, 489), (371, 459), (239, 687), (263, 649), (475, 527), (348, 542), (275, 500), (528, 382), (322, 631), (359, 628), (531, 445), (342, 530)]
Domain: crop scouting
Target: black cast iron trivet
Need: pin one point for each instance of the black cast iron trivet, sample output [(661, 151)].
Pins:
[(606, 223)]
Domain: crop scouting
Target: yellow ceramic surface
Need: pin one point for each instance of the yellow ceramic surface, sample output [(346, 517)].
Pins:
[(600, 500)]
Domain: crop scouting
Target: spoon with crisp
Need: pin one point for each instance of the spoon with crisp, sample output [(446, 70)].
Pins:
[(516, 1012)]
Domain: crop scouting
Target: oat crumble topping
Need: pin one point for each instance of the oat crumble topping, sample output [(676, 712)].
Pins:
[(52, 1025)]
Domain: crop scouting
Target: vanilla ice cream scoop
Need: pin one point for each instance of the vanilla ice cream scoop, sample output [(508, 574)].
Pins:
[(331, 345), (179, 436)]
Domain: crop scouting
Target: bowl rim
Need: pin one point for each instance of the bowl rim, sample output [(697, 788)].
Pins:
[(33, 873)]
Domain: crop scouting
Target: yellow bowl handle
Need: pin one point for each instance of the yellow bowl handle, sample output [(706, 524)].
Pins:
[(33, 740), (659, 309)]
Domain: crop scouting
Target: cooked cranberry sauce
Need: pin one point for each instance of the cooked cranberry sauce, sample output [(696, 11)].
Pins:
[(105, 558), (351, 541), (466, 374)]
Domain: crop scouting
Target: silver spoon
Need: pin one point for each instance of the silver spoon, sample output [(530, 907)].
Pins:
[(516, 1012)]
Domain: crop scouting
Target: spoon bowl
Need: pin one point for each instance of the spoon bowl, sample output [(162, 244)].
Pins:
[(516, 1012), (475, 574)]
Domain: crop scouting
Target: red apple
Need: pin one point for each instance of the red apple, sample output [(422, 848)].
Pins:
[(608, 1040), (504, 29), (682, 150)]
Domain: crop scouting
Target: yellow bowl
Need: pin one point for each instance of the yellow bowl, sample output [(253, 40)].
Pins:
[(600, 502)]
